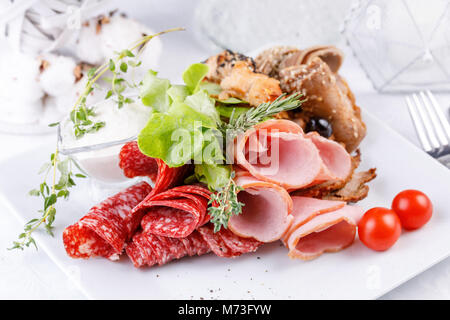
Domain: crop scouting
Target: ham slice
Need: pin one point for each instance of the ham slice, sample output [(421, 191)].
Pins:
[(278, 152), (320, 226), (266, 212), (295, 154), (336, 162)]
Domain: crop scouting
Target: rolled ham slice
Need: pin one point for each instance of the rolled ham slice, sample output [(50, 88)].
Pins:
[(278, 151), (266, 212), (285, 157), (336, 161), (320, 226)]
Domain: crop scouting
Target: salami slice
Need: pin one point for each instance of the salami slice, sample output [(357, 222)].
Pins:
[(238, 244), (176, 212), (149, 249), (135, 164), (216, 243), (104, 230)]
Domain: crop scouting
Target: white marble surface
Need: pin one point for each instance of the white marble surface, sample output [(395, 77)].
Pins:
[(31, 274)]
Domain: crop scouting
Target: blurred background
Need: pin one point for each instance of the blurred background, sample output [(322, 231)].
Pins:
[(391, 47)]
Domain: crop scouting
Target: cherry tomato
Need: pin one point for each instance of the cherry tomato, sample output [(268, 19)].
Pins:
[(413, 208), (379, 228)]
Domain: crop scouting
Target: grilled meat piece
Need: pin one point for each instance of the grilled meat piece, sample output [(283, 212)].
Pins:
[(243, 83), (220, 65)]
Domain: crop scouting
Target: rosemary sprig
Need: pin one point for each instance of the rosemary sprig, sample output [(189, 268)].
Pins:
[(50, 195), (256, 115), (224, 203)]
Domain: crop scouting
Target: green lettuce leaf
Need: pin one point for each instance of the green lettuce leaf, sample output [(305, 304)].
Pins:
[(181, 135), (212, 88), (177, 92), (201, 102), (193, 75), (232, 100), (153, 92), (216, 176), (226, 111)]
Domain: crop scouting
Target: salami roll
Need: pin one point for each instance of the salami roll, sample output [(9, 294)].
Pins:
[(148, 249), (136, 164), (104, 230), (175, 213)]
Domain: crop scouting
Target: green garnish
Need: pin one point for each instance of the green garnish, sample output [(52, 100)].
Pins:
[(81, 118), (256, 115), (224, 203), (50, 195)]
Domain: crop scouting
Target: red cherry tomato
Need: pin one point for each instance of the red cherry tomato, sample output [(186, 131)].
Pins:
[(379, 228), (413, 208)]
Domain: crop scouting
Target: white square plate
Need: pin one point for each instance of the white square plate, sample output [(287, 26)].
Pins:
[(356, 272)]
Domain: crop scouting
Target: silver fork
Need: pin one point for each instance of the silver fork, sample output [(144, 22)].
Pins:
[(432, 127)]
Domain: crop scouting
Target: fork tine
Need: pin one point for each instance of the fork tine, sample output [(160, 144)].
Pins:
[(426, 123), (418, 125), (438, 127), (439, 113)]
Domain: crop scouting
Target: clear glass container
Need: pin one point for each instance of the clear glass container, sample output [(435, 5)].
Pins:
[(402, 45), (245, 25)]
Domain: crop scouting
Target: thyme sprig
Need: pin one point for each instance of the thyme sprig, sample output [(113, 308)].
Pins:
[(81, 117), (224, 203), (50, 194)]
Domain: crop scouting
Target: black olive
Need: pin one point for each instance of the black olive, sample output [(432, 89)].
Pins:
[(320, 125)]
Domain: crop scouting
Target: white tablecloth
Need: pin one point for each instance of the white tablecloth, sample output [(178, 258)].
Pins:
[(32, 275)]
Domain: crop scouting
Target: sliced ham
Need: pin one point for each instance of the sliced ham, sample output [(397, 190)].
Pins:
[(277, 151), (336, 162), (297, 162), (320, 226), (266, 212)]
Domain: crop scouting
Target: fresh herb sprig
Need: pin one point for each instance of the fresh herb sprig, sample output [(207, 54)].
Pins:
[(50, 194), (256, 115), (81, 115), (224, 203)]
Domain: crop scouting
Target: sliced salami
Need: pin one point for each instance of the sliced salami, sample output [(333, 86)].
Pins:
[(149, 249), (216, 243), (135, 164), (176, 212), (104, 230), (238, 244)]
